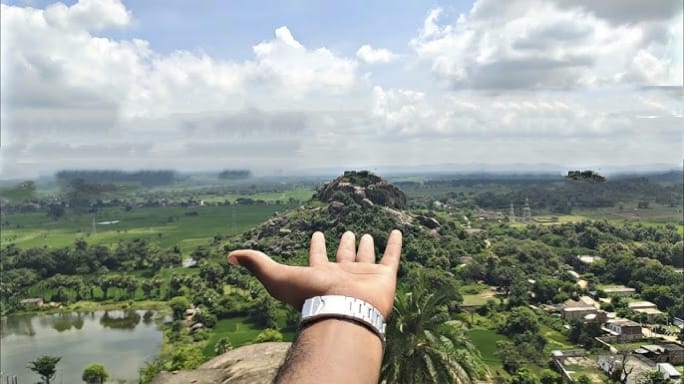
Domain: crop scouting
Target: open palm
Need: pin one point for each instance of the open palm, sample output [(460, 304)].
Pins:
[(354, 273)]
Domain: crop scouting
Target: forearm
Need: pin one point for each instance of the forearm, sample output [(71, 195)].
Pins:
[(333, 351)]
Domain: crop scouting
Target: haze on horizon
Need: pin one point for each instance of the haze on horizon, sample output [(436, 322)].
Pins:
[(294, 85)]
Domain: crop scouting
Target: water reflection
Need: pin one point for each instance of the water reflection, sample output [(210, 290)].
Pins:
[(17, 325), (120, 319), (124, 339)]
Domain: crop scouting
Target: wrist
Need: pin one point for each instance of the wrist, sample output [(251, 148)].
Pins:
[(345, 308)]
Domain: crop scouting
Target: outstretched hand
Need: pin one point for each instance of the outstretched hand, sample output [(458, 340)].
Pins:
[(354, 273)]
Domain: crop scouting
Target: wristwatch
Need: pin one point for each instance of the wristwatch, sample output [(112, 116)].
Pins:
[(344, 307)]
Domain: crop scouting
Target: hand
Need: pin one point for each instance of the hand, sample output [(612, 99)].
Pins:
[(354, 274)]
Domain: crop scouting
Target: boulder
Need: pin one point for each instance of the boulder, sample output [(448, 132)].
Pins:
[(251, 364)]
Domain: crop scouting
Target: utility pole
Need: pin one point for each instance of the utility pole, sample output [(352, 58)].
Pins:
[(511, 213), (527, 212)]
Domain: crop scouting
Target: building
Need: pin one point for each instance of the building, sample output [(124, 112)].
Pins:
[(578, 313), (651, 313), (624, 329), (641, 305), (588, 259), (32, 302), (646, 307), (637, 366), (621, 291), (673, 353), (669, 371)]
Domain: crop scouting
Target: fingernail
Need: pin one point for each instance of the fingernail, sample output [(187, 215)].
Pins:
[(232, 260)]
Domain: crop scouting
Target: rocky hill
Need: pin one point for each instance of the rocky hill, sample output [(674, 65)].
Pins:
[(251, 364), (364, 188), (357, 201), (361, 202)]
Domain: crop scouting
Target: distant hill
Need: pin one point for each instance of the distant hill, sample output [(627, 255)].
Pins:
[(361, 202), (587, 175)]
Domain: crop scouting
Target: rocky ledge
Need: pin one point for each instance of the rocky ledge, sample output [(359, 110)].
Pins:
[(251, 364)]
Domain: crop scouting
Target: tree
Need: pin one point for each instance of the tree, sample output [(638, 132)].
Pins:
[(521, 320), (511, 359), (223, 345), (178, 305), (269, 334), (548, 376), (423, 345), (45, 367), (212, 272), (95, 374), (654, 377), (523, 376)]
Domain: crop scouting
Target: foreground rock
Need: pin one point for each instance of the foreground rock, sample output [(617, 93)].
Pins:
[(251, 364)]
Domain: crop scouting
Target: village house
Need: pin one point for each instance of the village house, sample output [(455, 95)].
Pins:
[(641, 305), (32, 302), (670, 352), (637, 367), (646, 307), (620, 291), (624, 329), (669, 371), (588, 259), (578, 313)]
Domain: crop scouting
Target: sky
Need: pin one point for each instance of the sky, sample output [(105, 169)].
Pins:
[(278, 86)]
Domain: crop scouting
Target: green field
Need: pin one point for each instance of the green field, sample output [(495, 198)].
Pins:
[(298, 194), (240, 331), (166, 226), (485, 341)]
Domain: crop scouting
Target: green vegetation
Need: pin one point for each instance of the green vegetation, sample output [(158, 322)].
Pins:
[(45, 366), (95, 374), (468, 275), (185, 227)]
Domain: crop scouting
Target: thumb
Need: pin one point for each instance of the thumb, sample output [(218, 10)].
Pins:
[(258, 263)]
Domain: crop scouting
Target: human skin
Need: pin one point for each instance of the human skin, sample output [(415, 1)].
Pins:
[(332, 350)]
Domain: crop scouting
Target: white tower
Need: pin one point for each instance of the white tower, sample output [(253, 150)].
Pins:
[(527, 212)]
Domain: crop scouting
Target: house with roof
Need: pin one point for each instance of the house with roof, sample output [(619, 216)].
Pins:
[(667, 352), (619, 290), (646, 307), (669, 371), (624, 329), (32, 302)]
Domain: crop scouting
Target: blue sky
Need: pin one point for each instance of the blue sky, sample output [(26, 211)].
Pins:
[(273, 85)]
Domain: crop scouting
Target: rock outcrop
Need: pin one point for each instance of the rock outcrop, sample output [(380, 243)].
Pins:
[(251, 364), (365, 188)]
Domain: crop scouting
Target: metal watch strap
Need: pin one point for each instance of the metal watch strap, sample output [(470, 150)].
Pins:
[(345, 307)]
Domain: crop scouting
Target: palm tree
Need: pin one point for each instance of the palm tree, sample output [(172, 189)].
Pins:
[(424, 345)]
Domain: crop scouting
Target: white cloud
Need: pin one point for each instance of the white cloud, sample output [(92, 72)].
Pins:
[(532, 44), (369, 55), (88, 14), (72, 98)]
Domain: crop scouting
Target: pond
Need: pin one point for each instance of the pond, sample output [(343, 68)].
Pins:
[(123, 341)]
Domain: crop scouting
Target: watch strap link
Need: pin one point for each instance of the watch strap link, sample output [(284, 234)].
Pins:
[(351, 308)]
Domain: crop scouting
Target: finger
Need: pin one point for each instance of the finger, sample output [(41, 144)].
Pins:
[(366, 252), (347, 249), (273, 276), (258, 263), (392, 251), (317, 253)]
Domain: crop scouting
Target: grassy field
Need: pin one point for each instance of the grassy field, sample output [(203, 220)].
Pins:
[(298, 194), (240, 331), (485, 341), (555, 339), (166, 226)]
